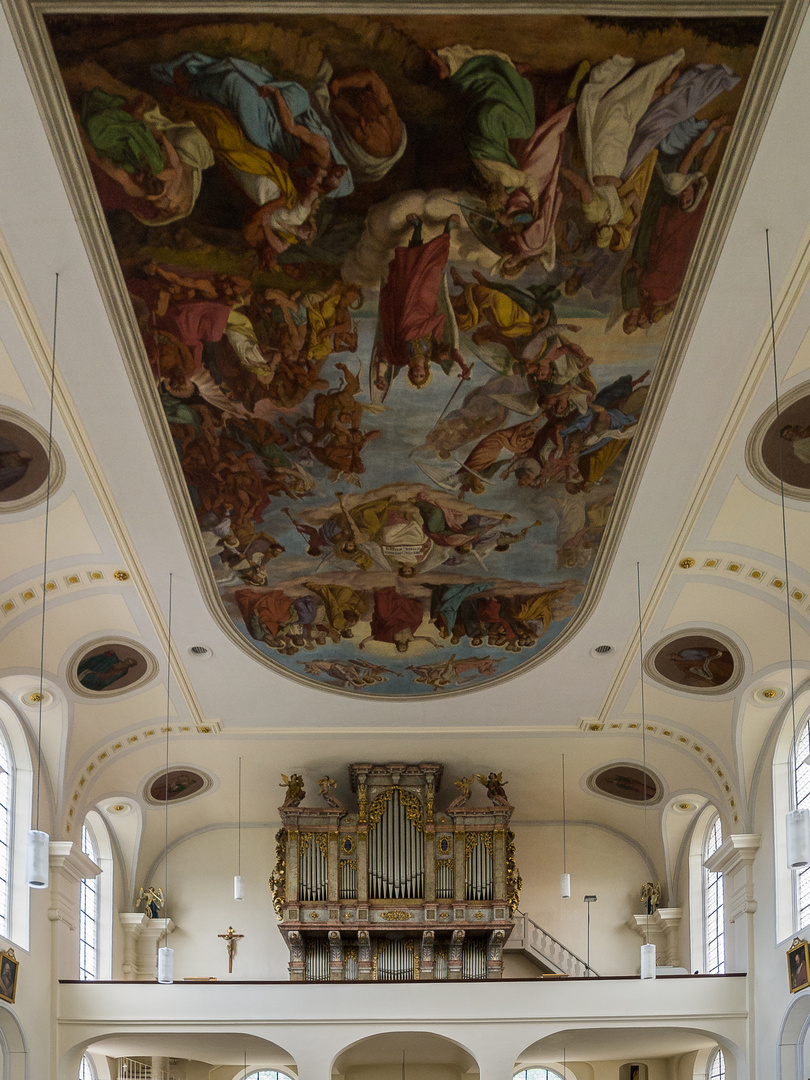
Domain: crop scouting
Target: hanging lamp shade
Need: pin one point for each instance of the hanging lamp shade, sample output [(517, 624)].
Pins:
[(648, 961), (165, 965), (565, 886), (797, 831), (238, 887), (37, 850)]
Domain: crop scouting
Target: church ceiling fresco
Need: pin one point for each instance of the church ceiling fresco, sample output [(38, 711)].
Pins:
[(402, 285)]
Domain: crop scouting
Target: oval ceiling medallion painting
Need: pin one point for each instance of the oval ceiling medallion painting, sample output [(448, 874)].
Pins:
[(180, 784), (24, 462), (783, 443), (109, 667), (402, 281), (699, 661), (626, 782)]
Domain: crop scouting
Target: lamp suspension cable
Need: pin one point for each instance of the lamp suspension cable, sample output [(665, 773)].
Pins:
[(565, 878), (238, 881), (647, 950), (37, 842), (798, 821), (166, 955)]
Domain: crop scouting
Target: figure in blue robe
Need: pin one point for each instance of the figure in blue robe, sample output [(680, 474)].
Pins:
[(235, 84)]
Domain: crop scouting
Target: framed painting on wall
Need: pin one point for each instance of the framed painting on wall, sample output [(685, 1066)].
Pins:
[(798, 961), (9, 966)]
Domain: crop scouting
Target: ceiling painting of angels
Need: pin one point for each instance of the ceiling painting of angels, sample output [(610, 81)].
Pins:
[(402, 283)]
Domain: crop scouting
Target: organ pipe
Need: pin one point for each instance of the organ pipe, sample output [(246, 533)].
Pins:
[(396, 853), (382, 880)]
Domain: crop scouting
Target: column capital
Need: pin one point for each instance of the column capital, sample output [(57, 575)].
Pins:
[(734, 859), (66, 856), (737, 850)]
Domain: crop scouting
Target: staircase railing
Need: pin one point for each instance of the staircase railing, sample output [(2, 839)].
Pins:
[(130, 1069), (535, 942)]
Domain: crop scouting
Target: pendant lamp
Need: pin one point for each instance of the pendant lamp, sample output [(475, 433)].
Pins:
[(797, 835), (165, 965), (565, 879), (165, 972), (648, 961), (647, 967), (238, 881), (37, 842), (797, 821)]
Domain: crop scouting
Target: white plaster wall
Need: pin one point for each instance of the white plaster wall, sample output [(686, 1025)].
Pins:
[(657, 1068), (200, 901), (771, 997), (599, 861), (30, 1023), (444, 1071)]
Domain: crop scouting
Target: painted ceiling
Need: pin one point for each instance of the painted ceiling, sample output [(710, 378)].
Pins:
[(402, 287)]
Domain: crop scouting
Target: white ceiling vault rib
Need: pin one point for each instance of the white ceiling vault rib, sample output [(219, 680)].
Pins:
[(738, 418), (69, 415)]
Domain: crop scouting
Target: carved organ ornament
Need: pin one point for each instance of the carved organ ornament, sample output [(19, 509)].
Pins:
[(397, 890)]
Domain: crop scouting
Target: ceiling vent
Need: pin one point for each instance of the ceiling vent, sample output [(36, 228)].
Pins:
[(602, 650), (202, 652)]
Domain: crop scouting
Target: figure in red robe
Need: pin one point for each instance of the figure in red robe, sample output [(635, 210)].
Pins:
[(264, 612), (412, 329), (395, 620)]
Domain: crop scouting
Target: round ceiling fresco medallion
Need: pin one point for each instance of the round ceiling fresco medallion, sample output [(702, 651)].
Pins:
[(699, 661), (109, 667), (403, 357), (179, 783), (24, 462), (780, 445), (626, 782)]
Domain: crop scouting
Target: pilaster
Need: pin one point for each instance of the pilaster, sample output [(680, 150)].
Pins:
[(68, 865), (142, 937), (664, 927), (734, 859)]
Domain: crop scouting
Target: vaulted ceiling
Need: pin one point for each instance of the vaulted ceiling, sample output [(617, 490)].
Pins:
[(698, 515)]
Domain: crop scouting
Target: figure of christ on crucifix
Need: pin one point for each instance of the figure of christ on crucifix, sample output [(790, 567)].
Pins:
[(230, 939)]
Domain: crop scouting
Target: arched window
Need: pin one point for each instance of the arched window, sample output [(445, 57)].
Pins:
[(16, 800), (267, 1074), (6, 809), (717, 1067), (86, 1070), (713, 914), (538, 1074), (96, 900), (800, 794), (88, 914)]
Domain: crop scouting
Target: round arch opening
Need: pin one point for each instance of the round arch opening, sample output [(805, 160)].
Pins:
[(405, 1055)]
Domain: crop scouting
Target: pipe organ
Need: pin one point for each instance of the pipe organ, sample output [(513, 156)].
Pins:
[(395, 888)]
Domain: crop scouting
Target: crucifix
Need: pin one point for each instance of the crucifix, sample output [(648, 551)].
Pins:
[(230, 939)]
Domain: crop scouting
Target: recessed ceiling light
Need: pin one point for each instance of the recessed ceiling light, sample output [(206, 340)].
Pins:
[(201, 652), (769, 695), (33, 697)]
